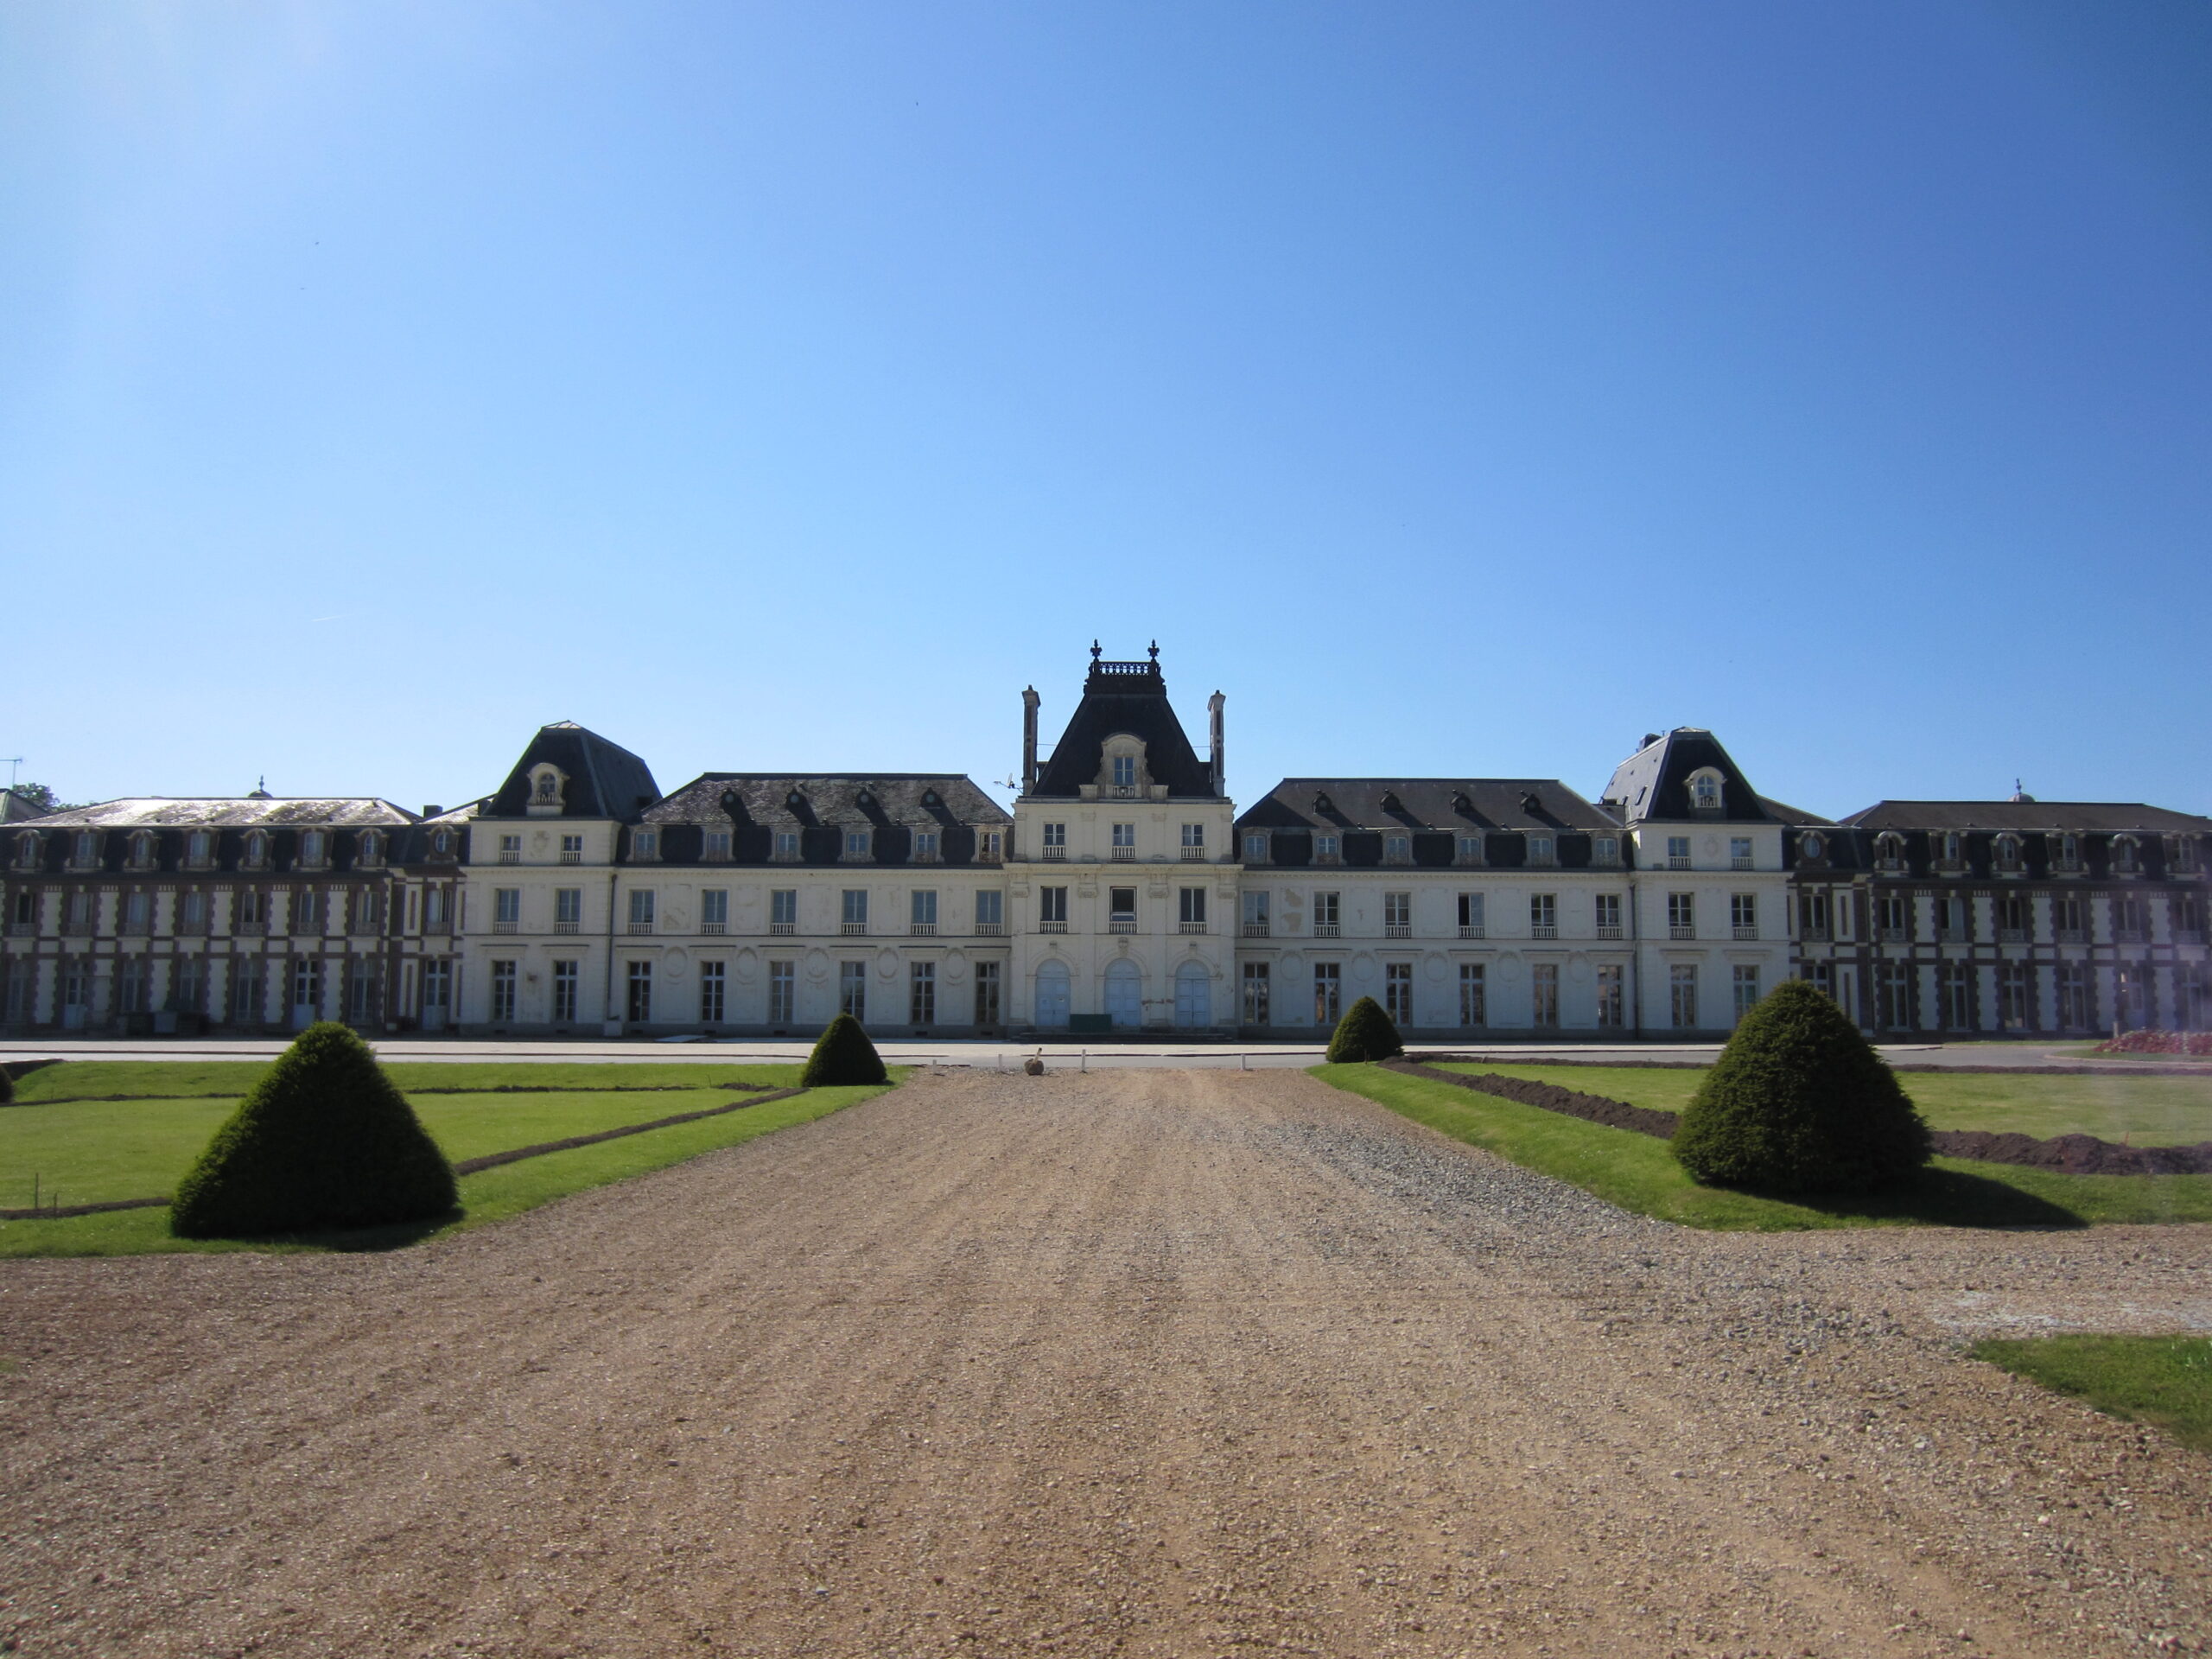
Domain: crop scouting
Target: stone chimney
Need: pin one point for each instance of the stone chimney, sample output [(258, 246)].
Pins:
[(1028, 739), (1218, 766)]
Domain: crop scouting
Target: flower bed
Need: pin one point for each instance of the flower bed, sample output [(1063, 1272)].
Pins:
[(2158, 1042)]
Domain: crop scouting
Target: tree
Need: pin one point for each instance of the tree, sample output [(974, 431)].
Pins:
[(41, 799), (1365, 1033), (1799, 1101), (324, 1140), (843, 1055)]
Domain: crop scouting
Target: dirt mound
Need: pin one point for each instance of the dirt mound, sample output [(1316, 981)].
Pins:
[(1594, 1109)]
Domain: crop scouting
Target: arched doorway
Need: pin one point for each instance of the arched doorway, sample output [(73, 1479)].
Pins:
[(1124, 995), (1193, 995), (1052, 993)]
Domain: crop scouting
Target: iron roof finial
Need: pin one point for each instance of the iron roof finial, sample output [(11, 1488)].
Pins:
[(1096, 653), (1155, 651)]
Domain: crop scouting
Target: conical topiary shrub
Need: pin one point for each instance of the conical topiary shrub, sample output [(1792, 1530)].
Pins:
[(1365, 1033), (1799, 1101), (843, 1055), (323, 1141)]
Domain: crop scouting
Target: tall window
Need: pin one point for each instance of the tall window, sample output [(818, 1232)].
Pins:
[(990, 911), (852, 914), (1681, 995), (2075, 1013), (2011, 918), (783, 910), (783, 980), (1745, 984), (1744, 915), (1681, 916), (1610, 1000), (1191, 909), (1256, 923), (1544, 916), (1678, 852), (1256, 994), (921, 908), (1955, 990), (640, 1001), (986, 993), (134, 986), (2012, 995), (1398, 991), (249, 989), (1739, 851), (1052, 910), (2188, 995), (188, 984), (1543, 993), (1328, 993), (1471, 916), (1474, 1002), (564, 992), (2070, 920), (1326, 916), (2131, 922), (1194, 841), (713, 980), (1125, 772), (921, 993), (1397, 915), (852, 990), (506, 909), (1892, 916), (641, 910), (1056, 841), (1609, 915), (306, 910), (503, 992), (1125, 841), (1893, 996), (714, 911)]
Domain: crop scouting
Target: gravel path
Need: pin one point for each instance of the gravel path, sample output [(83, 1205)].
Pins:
[(1145, 1363)]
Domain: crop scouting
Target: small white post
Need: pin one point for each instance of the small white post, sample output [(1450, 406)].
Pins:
[(1085, 1054)]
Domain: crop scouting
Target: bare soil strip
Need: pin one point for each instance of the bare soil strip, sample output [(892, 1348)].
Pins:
[(1144, 1363)]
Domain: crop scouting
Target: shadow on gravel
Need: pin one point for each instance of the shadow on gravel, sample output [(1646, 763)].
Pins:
[(1937, 1197), (361, 1240)]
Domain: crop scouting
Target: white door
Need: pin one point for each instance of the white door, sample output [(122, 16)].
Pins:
[(1124, 995), (307, 993), (1193, 996), (437, 992), (1052, 995)]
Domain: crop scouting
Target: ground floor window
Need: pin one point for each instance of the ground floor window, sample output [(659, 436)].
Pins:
[(987, 993), (2189, 996), (1398, 991), (1681, 990), (21, 981), (361, 991), (246, 988), (1820, 975), (639, 1008), (1543, 994), (852, 990), (2012, 995), (1954, 995), (2074, 1011), (503, 992), (188, 984), (1893, 996), (564, 992), (1328, 993), (2132, 1005), (921, 993), (1745, 983), (1474, 998), (714, 979), (1610, 999), (1256, 994), (307, 986), (783, 980), (134, 986)]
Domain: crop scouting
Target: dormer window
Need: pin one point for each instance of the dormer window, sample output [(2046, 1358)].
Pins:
[(2066, 853), (715, 845), (925, 846), (1328, 849), (1255, 849), (372, 847), (1125, 772), (2008, 853), (2125, 856), (1952, 849), (786, 846), (1705, 791), (1469, 849), (1605, 849), (645, 843), (1123, 778), (1397, 849), (1812, 844), (314, 849), (142, 850), (26, 850), (1888, 851), (2180, 855), (549, 788), (257, 849), (441, 843), (87, 852), (857, 844), (1542, 852)]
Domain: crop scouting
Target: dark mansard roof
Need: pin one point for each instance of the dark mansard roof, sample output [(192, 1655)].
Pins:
[(1127, 698), (2084, 818), (1448, 804), (229, 812), (919, 800), (1654, 782), (604, 780)]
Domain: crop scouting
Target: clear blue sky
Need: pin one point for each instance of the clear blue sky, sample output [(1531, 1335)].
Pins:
[(1464, 388)]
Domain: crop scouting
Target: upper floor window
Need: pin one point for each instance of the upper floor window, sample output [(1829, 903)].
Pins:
[(1194, 840), (1889, 850), (1056, 841), (1328, 849), (87, 850), (1951, 847), (1125, 841), (1678, 852), (987, 843), (1125, 772), (645, 843), (2180, 855), (1812, 844), (1397, 849), (314, 848), (2125, 858), (1543, 915), (1739, 851), (26, 850), (510, 850), (2008, 852), (1605, 849), (1469, 849), (1705, 791), (572, 849), (787, 844), (372, 847), (1255, 849), (857, 844), (926, 845), (142, 850), (1542, 850), (257, 849), (2067, 854), (717, 844)]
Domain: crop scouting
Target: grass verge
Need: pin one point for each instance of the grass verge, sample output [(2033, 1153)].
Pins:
[(484, 1124), (2145, 1111), (187, 1079), (1638, 1173), (2163, 1381)]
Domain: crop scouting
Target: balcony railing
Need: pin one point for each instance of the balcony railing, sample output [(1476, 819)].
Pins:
[(571, 855), (641, 927), (2131, 935), (1051, 927), (853, 929), (1752, 932), (510, 854), (1950, 936), (1053, 855), (2189, 936), (1814, 932), (22, 929), (142, 927), (1472, 931), (1683, 931), (1123, 854), (1609, 929), (1678, 861), (783, 930), (2073, 936), (1121, 925), (503, 925), (1327, 929), (1889, 866), (714, 927), (1256, 930), (1397, 929), (1892, 935), (923, 930), (1543, 930), (1191, 927), (989, 930), (566, 926), (2012, 936)]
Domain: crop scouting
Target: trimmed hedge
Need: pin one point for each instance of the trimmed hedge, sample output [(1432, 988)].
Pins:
[(324, 1141), (1799, 1101), (1365, 1033), (843, 1056)]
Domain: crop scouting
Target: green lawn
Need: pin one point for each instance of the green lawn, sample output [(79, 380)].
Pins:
[(2162, 1381), (180, 1079), (2145, 1111), (1639, 1173), (97, 1150)]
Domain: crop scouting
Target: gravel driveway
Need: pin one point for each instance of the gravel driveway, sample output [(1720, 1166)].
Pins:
[(1142, 1363)]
